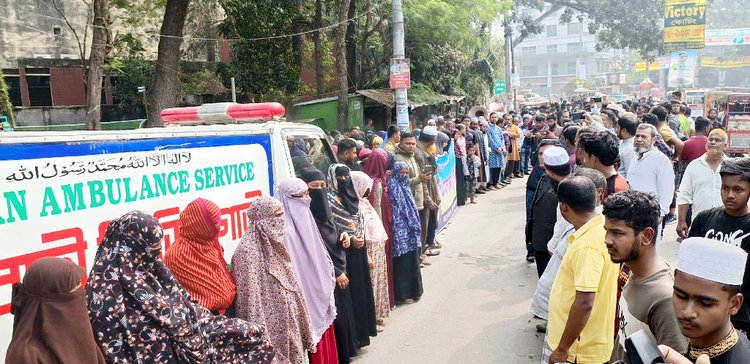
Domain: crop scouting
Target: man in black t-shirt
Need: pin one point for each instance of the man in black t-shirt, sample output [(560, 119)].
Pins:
[(731, 223)]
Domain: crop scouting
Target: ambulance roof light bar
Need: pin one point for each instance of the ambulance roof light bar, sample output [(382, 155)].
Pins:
[(223, 113)]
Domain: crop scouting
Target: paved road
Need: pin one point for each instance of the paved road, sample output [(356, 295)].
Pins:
[(477, 293)]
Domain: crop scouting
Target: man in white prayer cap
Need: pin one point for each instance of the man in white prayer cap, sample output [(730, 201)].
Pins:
[(706, 294), (541, 224)]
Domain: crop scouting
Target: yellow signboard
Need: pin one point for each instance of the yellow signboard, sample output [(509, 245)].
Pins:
[(718, 62), (641, 66), (684, 24)]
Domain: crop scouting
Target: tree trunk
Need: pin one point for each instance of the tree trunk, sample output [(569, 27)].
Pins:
[(99, 49), (164, 92), (351, 45), (341, 65), (319, 76), (364, 61), (298, 43)]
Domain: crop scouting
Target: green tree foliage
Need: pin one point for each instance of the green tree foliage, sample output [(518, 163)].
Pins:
[(263, 69), (451, 46), (6, 108), (127, 75)]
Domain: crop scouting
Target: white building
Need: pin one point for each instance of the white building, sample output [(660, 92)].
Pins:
[(549, 61)]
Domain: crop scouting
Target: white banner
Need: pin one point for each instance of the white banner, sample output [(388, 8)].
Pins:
[(58, 199)]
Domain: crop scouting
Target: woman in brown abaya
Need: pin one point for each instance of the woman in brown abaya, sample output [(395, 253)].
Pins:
[(51, 321)]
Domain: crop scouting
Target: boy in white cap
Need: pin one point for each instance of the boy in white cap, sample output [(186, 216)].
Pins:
[(706, 294)]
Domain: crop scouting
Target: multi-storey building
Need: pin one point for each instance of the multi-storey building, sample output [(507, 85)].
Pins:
[(549, 62)]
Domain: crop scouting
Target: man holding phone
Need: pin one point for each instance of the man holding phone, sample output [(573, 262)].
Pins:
[(428, 165)]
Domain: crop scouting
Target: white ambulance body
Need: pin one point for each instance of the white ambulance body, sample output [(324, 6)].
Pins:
[(59, 190)]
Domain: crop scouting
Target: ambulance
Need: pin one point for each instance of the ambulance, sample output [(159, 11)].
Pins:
[(59, 190)]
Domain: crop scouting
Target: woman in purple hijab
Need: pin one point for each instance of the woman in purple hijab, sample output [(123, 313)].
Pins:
[(406, 232), (312, 264)]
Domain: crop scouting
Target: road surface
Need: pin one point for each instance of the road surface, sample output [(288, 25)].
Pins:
[(477, 293)]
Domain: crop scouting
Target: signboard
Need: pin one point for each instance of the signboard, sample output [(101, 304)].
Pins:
[(682, 69), (515, 80), (720, 37), (58, 198), (400, 73), (720, 62), (500, 87), (446, 180), (581, 69), (641, 66), (684, 24), (402, 109)]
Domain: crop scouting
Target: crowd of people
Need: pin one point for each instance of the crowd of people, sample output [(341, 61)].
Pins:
[(314, 277), (324, 262), (603, 188)]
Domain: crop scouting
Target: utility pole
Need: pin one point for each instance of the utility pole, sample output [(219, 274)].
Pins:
[(509, 64), (402, 103)]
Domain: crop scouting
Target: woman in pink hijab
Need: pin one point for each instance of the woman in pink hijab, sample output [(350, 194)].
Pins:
[(312, 265), (268, 291), (375, 238), (377, 167)]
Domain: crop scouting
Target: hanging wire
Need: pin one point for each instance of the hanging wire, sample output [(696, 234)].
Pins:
[(325, 28)]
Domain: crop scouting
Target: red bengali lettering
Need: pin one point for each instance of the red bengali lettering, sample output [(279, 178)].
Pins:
[(171, 226), (234, 218)]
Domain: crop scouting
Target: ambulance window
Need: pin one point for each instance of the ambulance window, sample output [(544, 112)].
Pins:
[(309, 151)]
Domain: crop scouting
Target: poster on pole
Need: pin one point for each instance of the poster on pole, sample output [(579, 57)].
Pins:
[(684, 24), (400, 73), (402, 109), (682, 69)]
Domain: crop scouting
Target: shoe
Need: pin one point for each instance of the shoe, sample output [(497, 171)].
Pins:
[(517, 175), (541, 328), (473, 201), (530, 258), (479, 192), (670, 219), (431, 253), (436, 245)]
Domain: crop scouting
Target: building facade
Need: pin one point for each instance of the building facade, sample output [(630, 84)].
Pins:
[(550, 62), (44, 44)]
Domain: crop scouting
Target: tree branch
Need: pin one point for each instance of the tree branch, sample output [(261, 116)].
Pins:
[(550, 11)]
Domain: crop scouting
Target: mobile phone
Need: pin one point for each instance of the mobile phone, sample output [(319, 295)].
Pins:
[(577, 116), (597, 99), (642, 349)]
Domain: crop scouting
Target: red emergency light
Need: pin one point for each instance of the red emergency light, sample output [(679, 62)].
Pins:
[(220, 112)]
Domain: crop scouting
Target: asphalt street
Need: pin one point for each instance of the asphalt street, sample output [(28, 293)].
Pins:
[(475, 308)]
